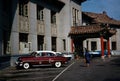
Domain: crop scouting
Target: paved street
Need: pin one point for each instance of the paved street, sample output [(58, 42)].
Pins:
[(99, 70), (32, 74)]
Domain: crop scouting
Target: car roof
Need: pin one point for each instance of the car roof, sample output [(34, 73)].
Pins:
[(58, 52), (45, 51)]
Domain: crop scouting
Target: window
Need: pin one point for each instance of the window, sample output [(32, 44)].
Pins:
[(23, 37), (114, 46), (40, 14), (93, 45), (40, 42), (23, 8), (54, 44), (105, 45), (75, 14), (43, 54), (50, 54), (64, 44), (53, 17)]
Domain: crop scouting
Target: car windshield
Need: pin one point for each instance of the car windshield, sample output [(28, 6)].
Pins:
[(58, 54), (33, 53)]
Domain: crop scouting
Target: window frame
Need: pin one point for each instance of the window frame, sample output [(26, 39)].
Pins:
[(23, 8)]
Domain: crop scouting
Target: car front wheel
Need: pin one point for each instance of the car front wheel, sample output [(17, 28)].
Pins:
[(26, 65), (58, 64)]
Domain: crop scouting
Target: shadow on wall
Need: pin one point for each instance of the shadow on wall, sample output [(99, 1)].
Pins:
[(5, 61), (9, 60)]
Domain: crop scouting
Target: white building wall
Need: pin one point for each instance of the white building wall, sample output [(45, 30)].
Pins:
[(118, 39), (85, 44), (32, 26), (110, 43), (98, 43), (78, 7), (89, 44), (67, 25), (14, 38), (97, 40), (66, 22), (47, 40), (59, 31)]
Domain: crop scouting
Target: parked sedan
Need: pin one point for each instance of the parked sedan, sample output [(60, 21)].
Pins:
[(41, 58), (67, 55)]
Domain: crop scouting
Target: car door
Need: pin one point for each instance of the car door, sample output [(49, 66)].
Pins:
[(37, 59), (50, 57), (41, 58), (47, 57)]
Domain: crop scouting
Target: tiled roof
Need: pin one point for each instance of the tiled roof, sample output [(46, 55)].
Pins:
[(102, 18), (91, 29), (95, 29), (85, 29)]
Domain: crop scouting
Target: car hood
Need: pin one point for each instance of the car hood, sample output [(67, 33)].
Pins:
[(25, 57)]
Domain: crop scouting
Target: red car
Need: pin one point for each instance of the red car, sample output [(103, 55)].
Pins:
[(41, 58)]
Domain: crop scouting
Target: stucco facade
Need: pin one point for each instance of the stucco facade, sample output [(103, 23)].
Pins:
[(23, 32)]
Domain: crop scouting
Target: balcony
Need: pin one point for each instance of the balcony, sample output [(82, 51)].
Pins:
[(23, 24), (53, 29), (40, 27)]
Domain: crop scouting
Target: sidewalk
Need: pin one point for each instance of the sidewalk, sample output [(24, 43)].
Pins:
[(99, 70)]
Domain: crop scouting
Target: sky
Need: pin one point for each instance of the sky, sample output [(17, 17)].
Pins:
[(112, 7)]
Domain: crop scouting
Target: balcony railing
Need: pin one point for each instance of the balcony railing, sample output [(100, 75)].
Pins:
[(23, 24)]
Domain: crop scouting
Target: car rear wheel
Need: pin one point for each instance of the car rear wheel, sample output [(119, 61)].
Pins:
[(26, 65), (58, 64)]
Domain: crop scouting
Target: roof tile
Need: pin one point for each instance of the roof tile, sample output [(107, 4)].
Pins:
[(102, 18), (85, 29)]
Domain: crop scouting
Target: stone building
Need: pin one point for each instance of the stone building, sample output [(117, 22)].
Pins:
[(28, 25)]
